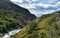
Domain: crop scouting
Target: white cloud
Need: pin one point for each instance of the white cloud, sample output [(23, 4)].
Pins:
[(17, 1), (39, 13), (27, 0), (45, 5), (39, 4), (32, 5), (58, 3), (51, 1), (20, 1), (28, 6), (34, 0)]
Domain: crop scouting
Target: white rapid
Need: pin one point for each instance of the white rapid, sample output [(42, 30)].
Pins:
[(11, 33)]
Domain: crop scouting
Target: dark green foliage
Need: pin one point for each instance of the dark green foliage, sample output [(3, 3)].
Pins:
[(10, 20), (32, 26), (43, 35)]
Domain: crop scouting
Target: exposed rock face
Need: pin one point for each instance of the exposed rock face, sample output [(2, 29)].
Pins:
[(7, 4)]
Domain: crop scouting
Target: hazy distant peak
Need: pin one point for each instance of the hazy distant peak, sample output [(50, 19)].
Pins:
[(6, 0)]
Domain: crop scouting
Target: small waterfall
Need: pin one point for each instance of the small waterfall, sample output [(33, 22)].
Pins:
[(11, 33)]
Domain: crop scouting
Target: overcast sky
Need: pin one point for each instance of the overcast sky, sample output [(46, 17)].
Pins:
[(39, 7)]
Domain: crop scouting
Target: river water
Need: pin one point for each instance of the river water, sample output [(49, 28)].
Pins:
[(11, 33)]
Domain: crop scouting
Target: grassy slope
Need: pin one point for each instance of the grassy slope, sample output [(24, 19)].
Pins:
[(46, 26)]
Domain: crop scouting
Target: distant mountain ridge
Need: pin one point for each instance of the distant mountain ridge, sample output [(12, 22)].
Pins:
[(5, 0), (7, 4)]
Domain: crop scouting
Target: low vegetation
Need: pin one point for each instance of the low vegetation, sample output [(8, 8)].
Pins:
[(47, 26)]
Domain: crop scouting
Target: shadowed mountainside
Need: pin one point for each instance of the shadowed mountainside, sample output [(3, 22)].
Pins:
[(7, 4), (13, 16)]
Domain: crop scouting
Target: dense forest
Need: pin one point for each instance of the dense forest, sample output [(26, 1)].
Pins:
[(10, 20)]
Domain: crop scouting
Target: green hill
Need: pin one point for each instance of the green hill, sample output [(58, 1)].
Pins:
[(47, 26)]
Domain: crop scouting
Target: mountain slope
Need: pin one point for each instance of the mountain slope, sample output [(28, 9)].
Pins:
[(7, 4), (10, 20), (13, 16), (47, 26)]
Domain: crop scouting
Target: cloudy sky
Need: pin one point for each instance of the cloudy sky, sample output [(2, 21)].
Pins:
[(39, 7)]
